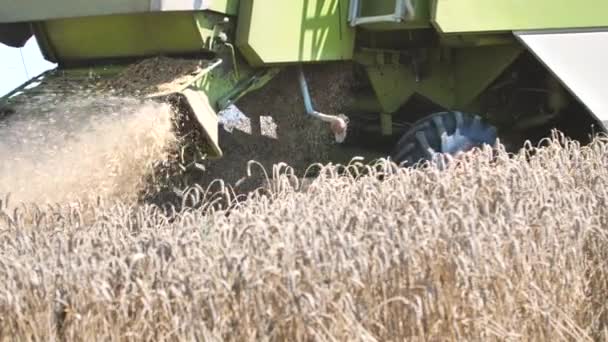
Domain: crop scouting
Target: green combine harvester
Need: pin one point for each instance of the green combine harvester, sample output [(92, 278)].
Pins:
[(433, 77)]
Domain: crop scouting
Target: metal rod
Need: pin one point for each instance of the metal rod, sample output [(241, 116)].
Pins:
[(6, 98), (234, 62), (214, 64), (410, 11), (399, 9), (353, 12), (338, 124), (390, 18)]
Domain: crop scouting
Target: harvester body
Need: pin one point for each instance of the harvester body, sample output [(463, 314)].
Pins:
[(517, 64)]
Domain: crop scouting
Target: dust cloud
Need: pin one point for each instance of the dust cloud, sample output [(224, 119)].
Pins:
[(83, 149)]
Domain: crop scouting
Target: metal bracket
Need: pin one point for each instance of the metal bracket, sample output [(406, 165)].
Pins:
[(257, 81), (4, 100), (202, 73)]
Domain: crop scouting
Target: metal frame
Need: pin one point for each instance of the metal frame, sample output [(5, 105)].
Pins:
[(403, 11)]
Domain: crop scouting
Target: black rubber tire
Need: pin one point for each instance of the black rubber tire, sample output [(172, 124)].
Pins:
[(443, 133)]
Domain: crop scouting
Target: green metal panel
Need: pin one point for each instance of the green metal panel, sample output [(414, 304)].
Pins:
[(198, 104), (394, 83), (91, 38), (452, 78), (453, 16), (271, 31), (210, 25), (476, 68), (377, 7)]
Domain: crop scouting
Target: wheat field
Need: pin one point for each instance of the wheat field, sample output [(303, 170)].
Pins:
[(495, 247)]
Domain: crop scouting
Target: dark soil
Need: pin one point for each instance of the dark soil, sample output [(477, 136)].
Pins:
[(300, 139)]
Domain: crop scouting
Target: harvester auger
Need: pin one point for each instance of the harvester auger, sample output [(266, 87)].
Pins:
[(420, 78)]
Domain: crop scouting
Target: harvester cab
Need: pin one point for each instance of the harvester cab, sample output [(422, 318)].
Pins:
[(427, 77)]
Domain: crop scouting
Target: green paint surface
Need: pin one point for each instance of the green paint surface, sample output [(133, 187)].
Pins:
[(294, 31), (451, 78), (122, 36), (136, 35), (452, 16), (476, 68)]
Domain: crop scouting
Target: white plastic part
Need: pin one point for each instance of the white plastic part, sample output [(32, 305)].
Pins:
[(579, 59)]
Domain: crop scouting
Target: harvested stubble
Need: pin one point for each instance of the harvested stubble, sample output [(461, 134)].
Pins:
[(493, 248)]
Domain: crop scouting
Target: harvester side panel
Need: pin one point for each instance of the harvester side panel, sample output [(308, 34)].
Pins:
[(270, 32), (482, 16), (450, 78), (135, 35)]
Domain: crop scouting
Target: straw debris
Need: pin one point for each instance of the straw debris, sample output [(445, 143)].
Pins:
[(153, 75)]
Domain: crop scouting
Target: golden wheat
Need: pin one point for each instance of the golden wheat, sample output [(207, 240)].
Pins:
[(494, 247)]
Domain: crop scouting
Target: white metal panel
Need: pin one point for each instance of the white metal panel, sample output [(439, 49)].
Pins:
[(579, 59), (13, 11), (178, 5)]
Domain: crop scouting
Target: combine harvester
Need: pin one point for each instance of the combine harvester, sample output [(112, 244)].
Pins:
[(430, 76)]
